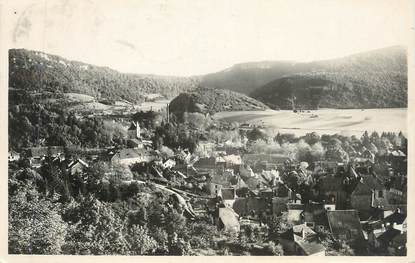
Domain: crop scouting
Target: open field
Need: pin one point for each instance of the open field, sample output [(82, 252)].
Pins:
[(153, 105), (324, 121)]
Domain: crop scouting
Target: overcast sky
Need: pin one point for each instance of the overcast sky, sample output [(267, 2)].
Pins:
[(176, 37)]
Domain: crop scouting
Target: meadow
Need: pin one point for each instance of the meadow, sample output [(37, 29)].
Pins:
[(324, 121)]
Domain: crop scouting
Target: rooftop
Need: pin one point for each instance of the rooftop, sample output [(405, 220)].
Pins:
[(310, 248), (345, 224)]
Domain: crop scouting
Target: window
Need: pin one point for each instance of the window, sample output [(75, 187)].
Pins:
[(380, 193)]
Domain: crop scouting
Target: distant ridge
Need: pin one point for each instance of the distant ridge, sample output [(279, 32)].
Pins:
[(373, 79), (378, 78)]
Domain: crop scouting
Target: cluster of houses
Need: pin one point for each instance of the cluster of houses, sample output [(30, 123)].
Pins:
[(350, 200)]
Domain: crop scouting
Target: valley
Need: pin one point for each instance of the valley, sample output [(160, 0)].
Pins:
[(324, 121)]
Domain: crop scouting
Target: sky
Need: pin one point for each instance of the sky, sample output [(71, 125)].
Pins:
[(178, 37)]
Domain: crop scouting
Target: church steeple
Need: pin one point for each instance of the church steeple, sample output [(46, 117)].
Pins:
[(134, 132)]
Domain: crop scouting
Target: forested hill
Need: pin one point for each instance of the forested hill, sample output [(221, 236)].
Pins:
[(377, 78), (211, 100), (37, 71), (374, 79)]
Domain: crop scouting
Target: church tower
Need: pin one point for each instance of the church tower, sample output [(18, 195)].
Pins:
[(134, 132)]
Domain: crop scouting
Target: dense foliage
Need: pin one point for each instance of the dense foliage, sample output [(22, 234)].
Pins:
[(37, 71), (211, 100), (32, 122)]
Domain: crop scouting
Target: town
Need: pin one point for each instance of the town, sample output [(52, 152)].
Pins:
[(164, 184)]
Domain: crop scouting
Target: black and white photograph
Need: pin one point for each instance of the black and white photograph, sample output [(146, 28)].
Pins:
[(207, 128)]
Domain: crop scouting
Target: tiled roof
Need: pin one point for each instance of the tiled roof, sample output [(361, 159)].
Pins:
[(302, 228), (330, 183), (388, 235), (202, 162), (293, 206), (133, 126), (71, 164), (372, 182), (396, 217), (228, 193), (362, 189), (310, 248), (345, 224)]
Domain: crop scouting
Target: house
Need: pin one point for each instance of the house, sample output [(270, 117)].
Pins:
[(310, 248), (227, 149), (207, 163), (246, 172), (345, 225), (396, 220), (386, 237), (281, 197), (13, 156), (301, 240), (369, 193), (76, 166), (397, 193), (37, 154), (206, 145), (129, 156), (232, 160), (169, 164), (315, 214), (134, 132), (250, 206), (295, 212), (279, 205), (328, 167), (255, 183), (41, 152), (228, 196), (333, 191), (135, 143), (271, 176), (303, 232), (227, 219), (368, 155), (216, 181), (259, 162), (398, 160)]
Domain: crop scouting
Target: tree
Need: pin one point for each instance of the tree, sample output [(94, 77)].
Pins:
[(317, 151), (303, 152), (278, 225), (312, 138), (140, 242), (256, 134), (35, 225), (94, 229), (285, 138), (273, 249), (166, 152)]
